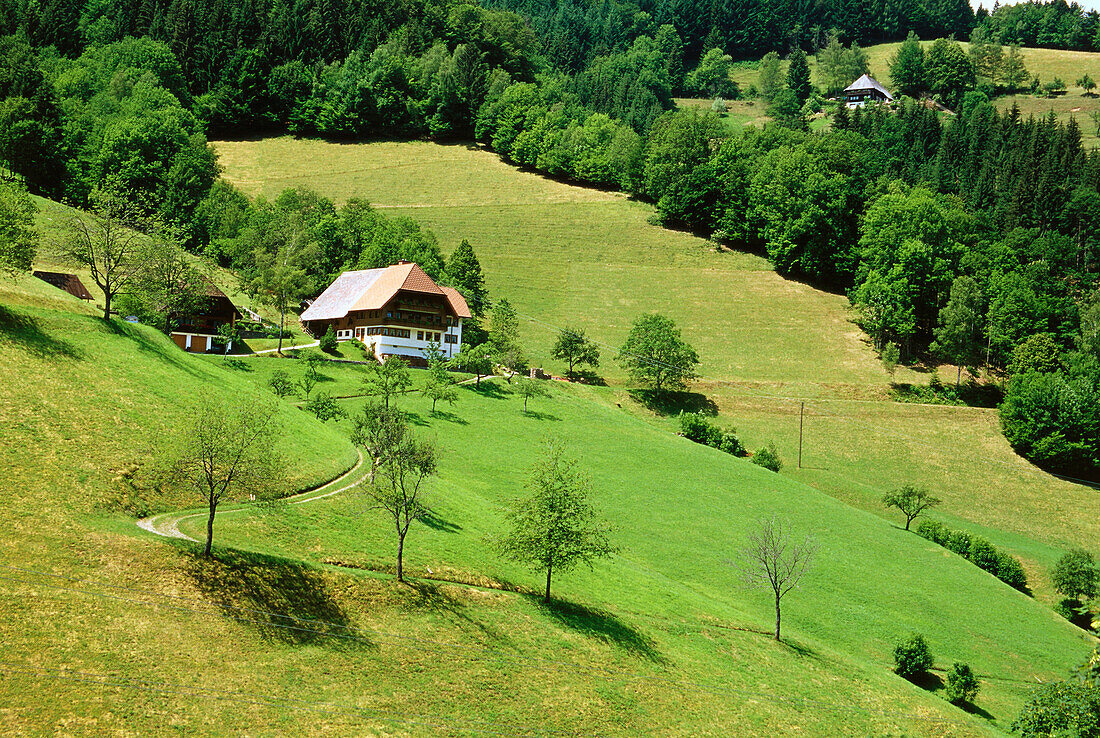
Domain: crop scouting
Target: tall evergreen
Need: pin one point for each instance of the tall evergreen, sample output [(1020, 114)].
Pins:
[(798, 75), (465, 270)]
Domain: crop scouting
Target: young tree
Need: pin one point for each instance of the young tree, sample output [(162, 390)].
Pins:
[(838, 67), (282, 249), (655, 354), (438, 385), (18, 237), (986, 54), (387, 379), (912, 501), (772, 560), (325, 407), (476, 360), (912, 657), (1013, 71), (327, 342), (798, 75), (959, 335), (712, 77), (503, 328), (105, 243), (1076, 575), (1087, 83), (226, 451), (465, 271), (529, 388), (378, 429), (400, 493), (950, 72), (771, 76), (962, 685), (891, 355), (229, 333), (907, 69), (280, 383), (787, 111), (556, 528), (574, 348)]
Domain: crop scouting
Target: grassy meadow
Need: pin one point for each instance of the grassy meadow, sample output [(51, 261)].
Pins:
[(297, 626)]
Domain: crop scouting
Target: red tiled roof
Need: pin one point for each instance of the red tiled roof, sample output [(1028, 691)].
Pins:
[(372, 289), (457, 302)]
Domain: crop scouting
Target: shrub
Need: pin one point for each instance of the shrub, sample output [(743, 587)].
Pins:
[(962, 685), (983, 555), (731, 444), (933, 531), (695, 427), (768, 457), (912, 657), (325, 407), (1010, 571), (1063, 709), (280, 383), (959, 542), (328, 341)]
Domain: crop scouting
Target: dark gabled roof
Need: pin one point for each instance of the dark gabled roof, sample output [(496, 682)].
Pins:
[(867, 82), (68, 282)]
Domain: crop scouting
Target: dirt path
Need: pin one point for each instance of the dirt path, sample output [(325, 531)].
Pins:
[(167, 524)]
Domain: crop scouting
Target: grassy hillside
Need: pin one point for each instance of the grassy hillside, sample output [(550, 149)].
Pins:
[(109, 629), (1045, 63), (567, 255)]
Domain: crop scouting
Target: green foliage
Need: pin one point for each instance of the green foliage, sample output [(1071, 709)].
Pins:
[(465, 272), (656, 355), (786, 110), (959, 334), (912, 657), (281, 384), (962, 685), (798, 75), (556, 527), (838, 67), (388, 379), (1014, 72), (528, 388), (1062, 709), (890, 355), (768, 457), (907, 67), (950, 71), (911, 501), (712, 77), (439, 385), (978, 551), (325, 407), (1049, 418), (697, 427), (575, 349), (476, 360), (1038, 353), (327, 342), (18, 236), (1076, 575)]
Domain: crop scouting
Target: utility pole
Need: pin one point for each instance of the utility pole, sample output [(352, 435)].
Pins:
[(801, 412)]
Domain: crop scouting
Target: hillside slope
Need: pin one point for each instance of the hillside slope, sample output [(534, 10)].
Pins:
[(109, 629)]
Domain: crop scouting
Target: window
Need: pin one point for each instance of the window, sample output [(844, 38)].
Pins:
[(389, 315), (450, 338), (341, 335), (420, 335)]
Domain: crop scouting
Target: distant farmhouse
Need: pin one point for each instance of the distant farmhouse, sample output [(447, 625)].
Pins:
[(197, 331), (396, 311), (865, 90), (68, 282)]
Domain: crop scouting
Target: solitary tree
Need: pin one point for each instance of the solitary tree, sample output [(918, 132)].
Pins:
[(18, 238), (912, 501), (655, 354), (106, 245), (401, 489), (387, 379), (438, 385), (1013, 71), (476, 360), (574, 348), (325, 407), (226, 451), (1076, 575), (282, 249), (529, 388), (962, 685), (378, 430), (1087, 83), (772, 560), (556, 528), (912, 656)]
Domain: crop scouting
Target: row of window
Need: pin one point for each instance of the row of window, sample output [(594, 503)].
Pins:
[(391, 332), (427, 336)]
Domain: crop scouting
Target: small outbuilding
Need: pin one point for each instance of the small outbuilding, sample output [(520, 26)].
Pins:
[(197, 331), (68, 282), (865, 90)]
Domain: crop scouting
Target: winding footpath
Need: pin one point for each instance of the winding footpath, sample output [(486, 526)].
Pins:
[(167, 524)]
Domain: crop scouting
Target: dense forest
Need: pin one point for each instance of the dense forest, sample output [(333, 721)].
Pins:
[(970, 238)]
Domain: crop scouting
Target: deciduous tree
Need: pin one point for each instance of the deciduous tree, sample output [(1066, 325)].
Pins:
[(400, 492), (655, 354), (960, 332), (378, 429), (1076, 575), (387, 379), (907, 67), (105, 243), (528, 388), (574, 348), (18, 236), (771, 76), (556, 527), (771, 559), (911, 501), (438, 384)]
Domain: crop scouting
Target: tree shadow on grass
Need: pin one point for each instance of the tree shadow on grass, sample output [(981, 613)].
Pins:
[(431, 597), (435, 522), (673, 403), (975, 710), (927, 681), (488, 389), (26, 331), (601, 625), (536, 415), (587, 377), (415, 418), (449, 417), (283, 600)]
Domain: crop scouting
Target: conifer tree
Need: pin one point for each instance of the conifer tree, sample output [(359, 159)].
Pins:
[(798, 75), (465, 270)]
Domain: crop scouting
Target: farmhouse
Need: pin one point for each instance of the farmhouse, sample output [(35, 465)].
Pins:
[(68, 282), (197, 331), (396, 311), (865, 90)]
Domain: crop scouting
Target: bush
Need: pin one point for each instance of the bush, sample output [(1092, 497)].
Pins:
[(933, 531), (280, 383), (1076, 575), (325, 407), (328, 341), (959, 542), (696, 427), (731, 444), (912, 657), (1010, 571), (962, 685), (1062, 709), (768, 457)]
